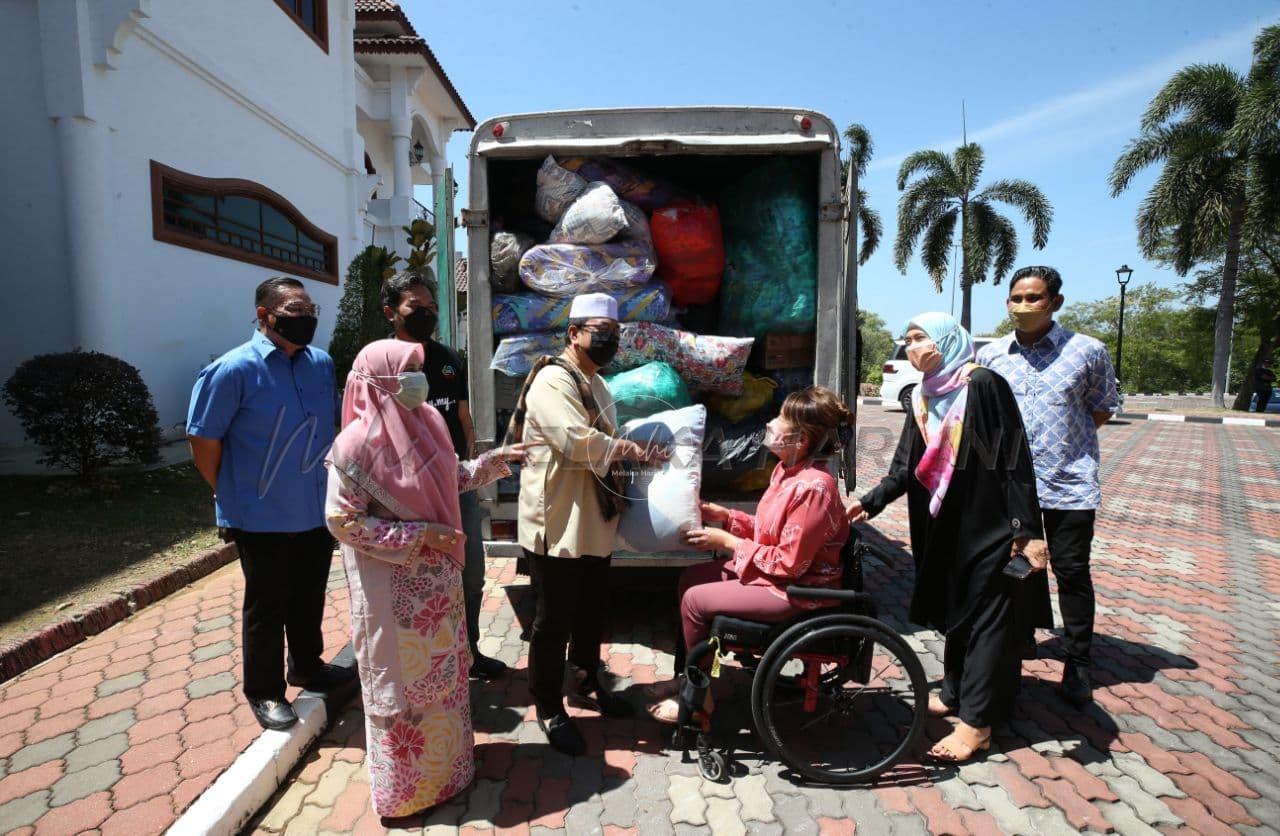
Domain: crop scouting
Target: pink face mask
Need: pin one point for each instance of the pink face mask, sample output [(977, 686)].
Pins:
[(924, 355), (777, 442)]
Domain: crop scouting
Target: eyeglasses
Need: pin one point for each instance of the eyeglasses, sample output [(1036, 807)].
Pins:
[(602, 330), (300, 309)]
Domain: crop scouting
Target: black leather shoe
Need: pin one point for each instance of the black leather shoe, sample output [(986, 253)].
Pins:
[(276, 715), (328, 678), (486, 667), (588, 692), (1076, 688), (1030, 650), (563, 734)]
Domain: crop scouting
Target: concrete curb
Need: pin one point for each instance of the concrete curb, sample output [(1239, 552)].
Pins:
[(28, 651), (1229, 420), (248, 784)]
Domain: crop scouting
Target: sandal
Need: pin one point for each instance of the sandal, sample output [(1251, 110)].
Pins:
[(960, 746), (938, 708), (667, 711)]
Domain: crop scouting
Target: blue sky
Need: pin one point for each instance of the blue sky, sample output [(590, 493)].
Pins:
[(1052, 92)]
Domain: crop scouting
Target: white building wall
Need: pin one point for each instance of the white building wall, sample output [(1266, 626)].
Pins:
[(36, 315), (228, 89), (287, 135)]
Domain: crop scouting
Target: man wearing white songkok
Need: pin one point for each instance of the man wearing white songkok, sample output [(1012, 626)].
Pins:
[(570, 500)]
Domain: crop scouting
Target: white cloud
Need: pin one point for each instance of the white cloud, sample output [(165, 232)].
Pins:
[(1066, 111)]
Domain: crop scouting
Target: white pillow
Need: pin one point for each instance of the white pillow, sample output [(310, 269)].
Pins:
[(664, 500)]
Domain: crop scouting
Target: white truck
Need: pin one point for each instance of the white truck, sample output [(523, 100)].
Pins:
[(505, 154)]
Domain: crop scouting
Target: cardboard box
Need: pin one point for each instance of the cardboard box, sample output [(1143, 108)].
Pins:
[(788, 351)]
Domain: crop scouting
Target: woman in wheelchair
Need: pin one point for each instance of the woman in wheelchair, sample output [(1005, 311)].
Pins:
[(795, 537), (964, 464)]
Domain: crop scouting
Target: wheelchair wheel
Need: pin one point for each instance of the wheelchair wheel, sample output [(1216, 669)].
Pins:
[(839, 699), (712, 766)]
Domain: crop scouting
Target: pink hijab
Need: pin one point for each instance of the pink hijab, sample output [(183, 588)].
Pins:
[(403, 459)]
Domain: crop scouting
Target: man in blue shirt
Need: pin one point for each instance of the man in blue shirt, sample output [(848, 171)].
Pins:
[(1066, 390), (261, 420)]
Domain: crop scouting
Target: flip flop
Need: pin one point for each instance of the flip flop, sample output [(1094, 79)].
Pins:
[(666, 712), (954, 749)]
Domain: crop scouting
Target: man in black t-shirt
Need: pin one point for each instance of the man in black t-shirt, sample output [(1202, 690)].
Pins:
[(409, 303)]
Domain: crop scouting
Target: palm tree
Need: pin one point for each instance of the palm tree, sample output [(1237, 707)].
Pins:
[(860, 149), (1215, 133), (947, 193)]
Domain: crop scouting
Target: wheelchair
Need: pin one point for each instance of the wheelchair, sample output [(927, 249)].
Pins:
[(837, 696)]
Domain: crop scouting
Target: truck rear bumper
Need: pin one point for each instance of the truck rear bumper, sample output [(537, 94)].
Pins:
[(509, 548)]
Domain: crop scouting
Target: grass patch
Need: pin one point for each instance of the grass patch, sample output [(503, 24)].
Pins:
[(67, 542)]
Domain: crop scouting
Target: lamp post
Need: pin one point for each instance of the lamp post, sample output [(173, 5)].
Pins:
[(1123, 274)]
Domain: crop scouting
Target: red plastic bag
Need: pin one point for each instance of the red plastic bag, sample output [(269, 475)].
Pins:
[(690, 250)]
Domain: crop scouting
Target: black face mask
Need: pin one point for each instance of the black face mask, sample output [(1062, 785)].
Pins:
[(421, 324), (299, 330), (603, 348)]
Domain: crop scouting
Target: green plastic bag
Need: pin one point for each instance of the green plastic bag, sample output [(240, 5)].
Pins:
[(770, 223), (650, 389)]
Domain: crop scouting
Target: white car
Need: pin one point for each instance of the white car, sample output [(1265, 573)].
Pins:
[(901, 378)]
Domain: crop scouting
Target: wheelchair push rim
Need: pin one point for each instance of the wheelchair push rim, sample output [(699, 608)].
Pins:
[(840, 699)]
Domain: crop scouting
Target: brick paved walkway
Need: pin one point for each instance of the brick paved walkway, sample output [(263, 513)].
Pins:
[(1183, 736), (122, 732)]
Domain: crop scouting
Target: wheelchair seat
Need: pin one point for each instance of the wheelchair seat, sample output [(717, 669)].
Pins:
[(848, 596)]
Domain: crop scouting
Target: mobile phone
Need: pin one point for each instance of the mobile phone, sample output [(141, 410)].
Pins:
[(1018, 567)]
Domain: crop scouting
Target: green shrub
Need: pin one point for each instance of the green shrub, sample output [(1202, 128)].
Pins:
[(85, 410), (360, 320)]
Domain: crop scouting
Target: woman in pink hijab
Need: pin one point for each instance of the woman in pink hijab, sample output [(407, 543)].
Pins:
[(392, 502)]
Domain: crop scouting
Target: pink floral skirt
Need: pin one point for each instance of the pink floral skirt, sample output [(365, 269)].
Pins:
[(424, 755)]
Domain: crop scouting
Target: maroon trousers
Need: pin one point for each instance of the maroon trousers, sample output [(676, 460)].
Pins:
[(711, 589)]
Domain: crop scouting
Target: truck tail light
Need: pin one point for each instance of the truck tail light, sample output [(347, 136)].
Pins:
[(503, 529), (500, 129), (804, 123)]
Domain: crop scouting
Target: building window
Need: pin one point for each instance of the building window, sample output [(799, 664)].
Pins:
[(311, 17), (241, 220)]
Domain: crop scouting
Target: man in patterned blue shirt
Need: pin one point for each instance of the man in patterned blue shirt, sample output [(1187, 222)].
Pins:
[(1066, 390)]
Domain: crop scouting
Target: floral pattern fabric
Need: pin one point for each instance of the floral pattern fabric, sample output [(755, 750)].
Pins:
[(410, 635), (705, 363), (571, 269)]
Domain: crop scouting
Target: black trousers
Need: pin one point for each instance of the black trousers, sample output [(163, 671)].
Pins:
[(285, 577), (1070, 537), (473, 567), (572, 597), (982, 668)]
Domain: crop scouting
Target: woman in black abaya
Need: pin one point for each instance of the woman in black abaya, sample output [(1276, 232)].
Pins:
[(964, 464)]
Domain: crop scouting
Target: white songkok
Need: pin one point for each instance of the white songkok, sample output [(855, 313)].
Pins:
[(593, 306)]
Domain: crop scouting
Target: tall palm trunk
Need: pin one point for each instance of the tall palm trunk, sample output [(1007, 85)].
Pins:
[(966, 286), (1227, 306)]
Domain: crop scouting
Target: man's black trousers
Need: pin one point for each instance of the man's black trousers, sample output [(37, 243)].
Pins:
[(572, 595), (285, 578)]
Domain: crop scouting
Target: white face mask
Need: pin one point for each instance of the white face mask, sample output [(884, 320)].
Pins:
[(777, 442), (413, 389)]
